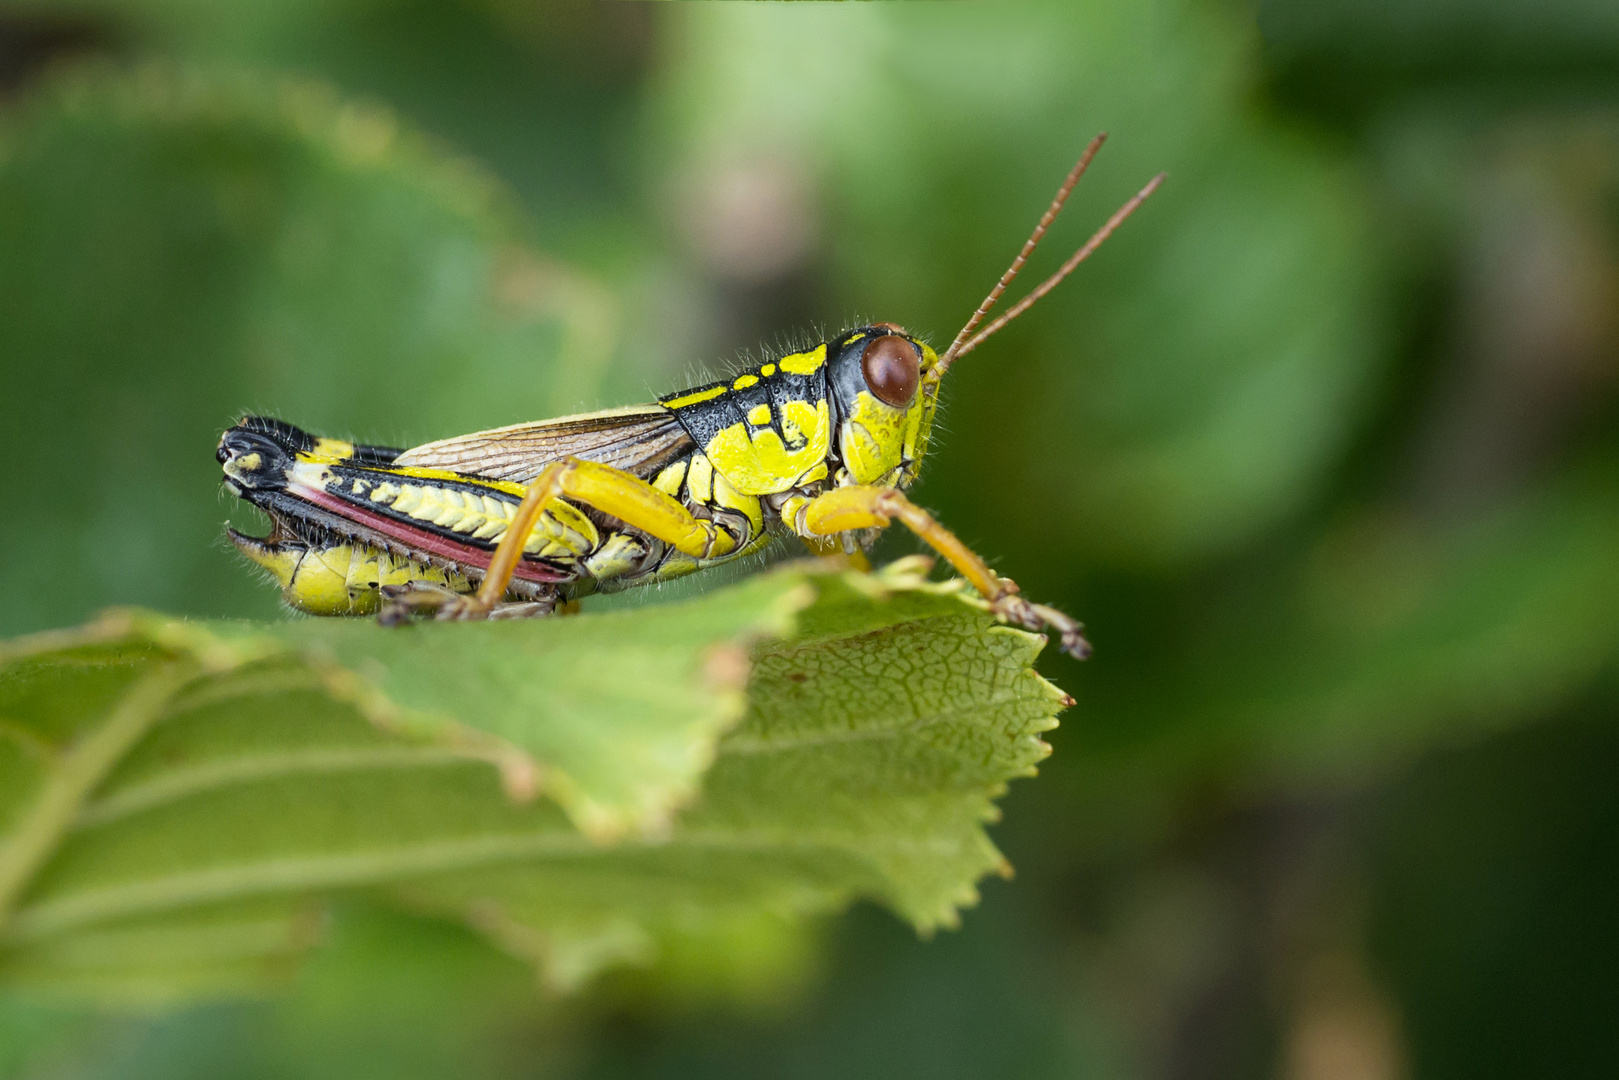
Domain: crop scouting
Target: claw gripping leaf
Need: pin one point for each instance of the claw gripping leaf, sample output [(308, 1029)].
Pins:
[(179, 800)]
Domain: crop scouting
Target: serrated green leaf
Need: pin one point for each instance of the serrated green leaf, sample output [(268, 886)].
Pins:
[(186, 796)]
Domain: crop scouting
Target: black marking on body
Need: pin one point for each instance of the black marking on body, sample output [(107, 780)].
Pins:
[(843, 364), (367, 454), (705, 419), (291, 439)]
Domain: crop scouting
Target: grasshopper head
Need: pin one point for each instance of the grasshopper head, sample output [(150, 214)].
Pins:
[(885, 383), (884, 391)]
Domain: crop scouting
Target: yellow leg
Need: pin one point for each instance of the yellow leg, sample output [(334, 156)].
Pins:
[(847, 509), (612, 491)]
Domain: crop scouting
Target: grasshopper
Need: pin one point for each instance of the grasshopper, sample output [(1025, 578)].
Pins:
[(524, 520)]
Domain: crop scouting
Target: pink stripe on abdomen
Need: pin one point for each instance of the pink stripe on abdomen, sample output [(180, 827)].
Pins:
[(421, 539)]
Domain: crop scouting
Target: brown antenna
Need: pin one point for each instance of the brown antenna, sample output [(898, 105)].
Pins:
[(965, 341), (1028, 249)]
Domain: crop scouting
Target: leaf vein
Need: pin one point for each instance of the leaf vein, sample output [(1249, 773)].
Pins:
[(178, 784)]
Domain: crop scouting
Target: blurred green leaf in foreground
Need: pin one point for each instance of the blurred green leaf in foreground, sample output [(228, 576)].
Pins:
[(180, 800)]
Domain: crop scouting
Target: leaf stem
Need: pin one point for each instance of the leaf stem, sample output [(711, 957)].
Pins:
[(77, 773)]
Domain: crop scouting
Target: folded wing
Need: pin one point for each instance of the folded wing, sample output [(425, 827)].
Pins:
[(640, 439)]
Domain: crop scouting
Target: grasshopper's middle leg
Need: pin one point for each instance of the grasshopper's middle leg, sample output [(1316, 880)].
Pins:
[(846, 509), (612, 491)]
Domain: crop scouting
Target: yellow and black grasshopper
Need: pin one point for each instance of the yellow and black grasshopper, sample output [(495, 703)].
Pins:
[(513, 522)]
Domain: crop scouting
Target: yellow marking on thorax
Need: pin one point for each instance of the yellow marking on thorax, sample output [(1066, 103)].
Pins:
[(700, 479), (759, 462), (816, 474), (669, 480), (806, 363), (802, 423), (744, 381), (694, 398), (759, 415), (768, 370)]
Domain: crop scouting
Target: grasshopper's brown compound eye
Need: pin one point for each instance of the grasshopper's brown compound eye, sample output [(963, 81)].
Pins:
[(892, 369)]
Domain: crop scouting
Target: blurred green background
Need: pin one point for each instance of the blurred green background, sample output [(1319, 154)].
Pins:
[(1323, 446)]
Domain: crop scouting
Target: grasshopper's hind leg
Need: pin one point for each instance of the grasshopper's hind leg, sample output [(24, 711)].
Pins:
[(488, 602), (612, 491)]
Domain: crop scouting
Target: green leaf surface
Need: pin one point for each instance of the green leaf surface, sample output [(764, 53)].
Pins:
[(179, 801)]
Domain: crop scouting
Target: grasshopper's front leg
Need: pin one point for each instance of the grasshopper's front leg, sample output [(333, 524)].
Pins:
[(612, 491), (848, 509)]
